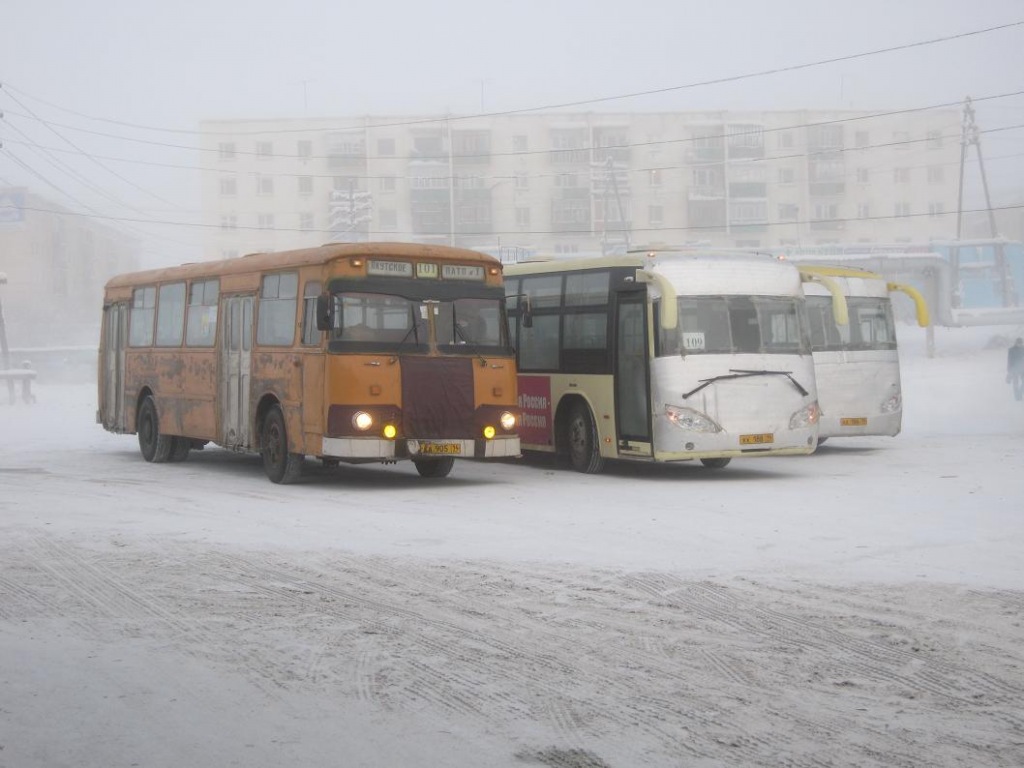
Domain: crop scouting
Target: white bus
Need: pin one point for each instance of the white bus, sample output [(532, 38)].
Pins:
[(664, 356), (856, 364)]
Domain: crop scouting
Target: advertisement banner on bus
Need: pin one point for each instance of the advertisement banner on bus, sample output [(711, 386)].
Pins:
[(535, 400)]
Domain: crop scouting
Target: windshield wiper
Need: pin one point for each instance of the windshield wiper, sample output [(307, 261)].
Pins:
[(735, 373)]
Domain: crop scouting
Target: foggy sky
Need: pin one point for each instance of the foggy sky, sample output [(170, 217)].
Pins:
[(172, 65)]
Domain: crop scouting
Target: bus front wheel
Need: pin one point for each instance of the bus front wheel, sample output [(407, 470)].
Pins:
[(154, 447), (719, 463), (582, 441), (434, 467), (280, 465)]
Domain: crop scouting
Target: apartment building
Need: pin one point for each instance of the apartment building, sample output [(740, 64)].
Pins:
[(56, 264), (582, 182)]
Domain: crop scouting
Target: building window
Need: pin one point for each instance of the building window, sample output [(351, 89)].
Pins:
[(305, 185), (936, 209), (656, 215), (901, 139), (788, 211), (387, 183), (861, 139), (934, 139), (863, 175), (306, 221), (229, 221), (265, 221), (522, 181), (264, 185), (385, 147), (901, 209), (786, 175), (387, 219), (826, 211), (264, 149), (654, 176), (786, 140), (228, 186), (863, 211), (901, 175), (522, 217), (226, 150), (520, 143), (305, 149), (936, 174)]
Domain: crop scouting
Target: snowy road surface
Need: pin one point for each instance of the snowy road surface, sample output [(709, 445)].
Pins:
[(859, 607)]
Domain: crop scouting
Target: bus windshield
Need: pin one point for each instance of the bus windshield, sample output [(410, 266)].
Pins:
[(871, 324), (737, 325), (387, 319)]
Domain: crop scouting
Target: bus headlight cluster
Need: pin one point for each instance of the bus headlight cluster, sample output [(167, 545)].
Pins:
[(892, 403), (806, 417), (507, 421), (690, 420), (362, 421)]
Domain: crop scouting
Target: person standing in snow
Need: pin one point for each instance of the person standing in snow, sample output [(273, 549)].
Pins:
[(1015, 368)]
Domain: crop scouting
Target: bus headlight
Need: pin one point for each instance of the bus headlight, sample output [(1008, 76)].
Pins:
[(690, 420), (507, 421), (892, 403), (362, 421), (806, 417), (489, 432)]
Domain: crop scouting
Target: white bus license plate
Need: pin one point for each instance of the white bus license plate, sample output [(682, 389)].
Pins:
[(440, 449), (763, 439)]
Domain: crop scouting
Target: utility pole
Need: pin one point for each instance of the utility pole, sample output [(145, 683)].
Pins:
[(970, 136)]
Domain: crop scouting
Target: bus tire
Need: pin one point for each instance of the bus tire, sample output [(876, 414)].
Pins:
[(153, 446), (719, 463), (582, 441), (180, 449), (434, 467), (280, 465)]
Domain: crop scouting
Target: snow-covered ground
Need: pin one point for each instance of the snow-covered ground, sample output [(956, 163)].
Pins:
[(861, 606)]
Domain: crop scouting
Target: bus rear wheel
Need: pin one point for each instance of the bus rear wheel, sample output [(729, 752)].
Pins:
[(280, 465), (582, 441), (719, 463), (154, 447), (434, 467), (180, 449)]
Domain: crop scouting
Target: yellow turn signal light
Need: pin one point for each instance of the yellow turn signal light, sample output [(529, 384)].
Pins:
[(390, 430), (489, 432)]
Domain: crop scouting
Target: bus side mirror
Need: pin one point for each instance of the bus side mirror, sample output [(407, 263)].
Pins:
[(323, 312)]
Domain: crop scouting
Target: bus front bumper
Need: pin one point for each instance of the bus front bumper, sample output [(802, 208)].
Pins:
[(371, 448)]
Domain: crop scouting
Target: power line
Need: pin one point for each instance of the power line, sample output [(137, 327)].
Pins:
[(627, 145), (584, 102), (542, 232)]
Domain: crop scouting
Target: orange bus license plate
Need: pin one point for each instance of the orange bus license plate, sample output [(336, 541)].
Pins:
[(440, 449), (757, 439), (860, 421)]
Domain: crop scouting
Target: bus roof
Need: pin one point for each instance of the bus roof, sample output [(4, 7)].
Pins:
[(259, 262)]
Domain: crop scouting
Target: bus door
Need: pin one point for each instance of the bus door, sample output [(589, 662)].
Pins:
[(235, 370), (115, 341), (632, 387)]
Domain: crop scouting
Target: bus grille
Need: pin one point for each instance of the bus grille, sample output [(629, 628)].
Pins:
[(437, 397)]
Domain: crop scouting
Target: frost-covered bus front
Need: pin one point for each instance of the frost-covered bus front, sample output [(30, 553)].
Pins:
[(733, 373)]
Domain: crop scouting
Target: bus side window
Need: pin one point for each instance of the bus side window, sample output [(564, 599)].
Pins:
[(310, 334)]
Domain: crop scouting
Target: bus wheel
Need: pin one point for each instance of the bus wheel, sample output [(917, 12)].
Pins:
[(280, 465), (821, 440), (715, 463), (434, 467), (179, 452), (153, 446), (584, 451)]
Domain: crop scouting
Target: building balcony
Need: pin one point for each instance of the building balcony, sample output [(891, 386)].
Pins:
[(826, 188)]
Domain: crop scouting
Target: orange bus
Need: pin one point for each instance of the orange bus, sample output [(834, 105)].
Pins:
[(373, 352)]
